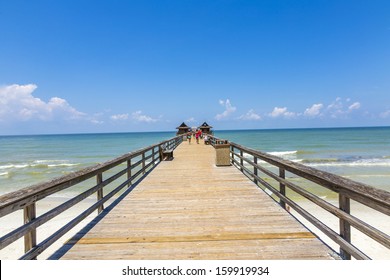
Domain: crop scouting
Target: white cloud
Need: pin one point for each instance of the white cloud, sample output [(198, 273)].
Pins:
[(314, 110), (139, 117), (120, 117), (229, 109), (339, 109), (282, 112), (18, 103), (251, 115), (354, 106)]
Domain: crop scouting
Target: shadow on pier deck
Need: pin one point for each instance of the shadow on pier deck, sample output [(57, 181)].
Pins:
[(188, 208)]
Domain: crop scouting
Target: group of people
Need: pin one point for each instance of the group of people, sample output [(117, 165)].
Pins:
[(197, 134)]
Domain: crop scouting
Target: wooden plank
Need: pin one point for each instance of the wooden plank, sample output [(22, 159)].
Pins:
[(188, 208), (196, 238)]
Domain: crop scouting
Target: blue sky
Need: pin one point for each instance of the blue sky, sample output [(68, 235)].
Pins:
[(117, 66)]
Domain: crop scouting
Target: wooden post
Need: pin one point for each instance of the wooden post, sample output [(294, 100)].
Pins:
[(30, 239), (232, 151), (129, 172), (143, 163), (160, 153), (99, 180), (255, 170), (345, 227), (153, 156), (241, 161), (282, 187)]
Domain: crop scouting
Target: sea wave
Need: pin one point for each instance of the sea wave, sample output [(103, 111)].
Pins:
[(283, 153), (52, 163), (38, 164), (11, 166), (373, 162)]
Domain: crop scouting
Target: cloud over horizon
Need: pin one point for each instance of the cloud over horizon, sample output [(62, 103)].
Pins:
[(314, 110), (282, 112), (229, 109), (17, 103), (251, 115)]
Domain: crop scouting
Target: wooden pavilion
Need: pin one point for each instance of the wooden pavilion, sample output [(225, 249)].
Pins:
[(205, 128), (182, 129)]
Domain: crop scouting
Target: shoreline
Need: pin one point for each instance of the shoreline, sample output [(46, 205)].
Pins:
[(15, 250)]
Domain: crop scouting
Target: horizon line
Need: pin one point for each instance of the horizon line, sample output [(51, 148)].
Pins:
[(167, 131)]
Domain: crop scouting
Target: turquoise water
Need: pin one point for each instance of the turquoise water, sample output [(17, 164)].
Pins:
[(27, 160), (362, 154)]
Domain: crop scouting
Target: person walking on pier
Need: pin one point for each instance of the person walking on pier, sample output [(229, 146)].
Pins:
[(189, 137), (197, 135)]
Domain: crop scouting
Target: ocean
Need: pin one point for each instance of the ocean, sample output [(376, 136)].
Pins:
[(361, 154)]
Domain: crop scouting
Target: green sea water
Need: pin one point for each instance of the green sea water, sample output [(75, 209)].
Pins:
[(361, 154)]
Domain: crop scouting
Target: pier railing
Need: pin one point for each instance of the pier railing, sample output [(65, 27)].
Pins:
[(275, 182), (132, 168)]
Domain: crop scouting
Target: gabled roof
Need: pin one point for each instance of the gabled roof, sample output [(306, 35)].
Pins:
[(205, 125), (183, 125)]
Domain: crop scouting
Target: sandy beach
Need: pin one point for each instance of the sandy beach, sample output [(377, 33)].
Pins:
[(14, 220), (367, 245), (15, 250)]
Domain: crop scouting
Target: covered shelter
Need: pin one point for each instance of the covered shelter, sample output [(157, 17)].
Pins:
[(205, 128), (182, 129)]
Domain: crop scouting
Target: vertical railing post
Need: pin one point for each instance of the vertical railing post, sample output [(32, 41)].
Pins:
[(232, 152), (160, 153), (241, 161), (30, 239), (99, 180), (345, 227), (143, 163), (255, 170), (129, 172), (154, 155), (282, 187)]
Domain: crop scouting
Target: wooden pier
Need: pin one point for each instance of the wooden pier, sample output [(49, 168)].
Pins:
[(181, 200), (188, 208)]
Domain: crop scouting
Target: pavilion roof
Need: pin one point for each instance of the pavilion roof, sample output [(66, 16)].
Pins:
[(183, 125), (205, 125)]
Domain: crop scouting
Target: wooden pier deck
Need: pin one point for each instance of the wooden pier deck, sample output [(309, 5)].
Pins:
[(188, 208)]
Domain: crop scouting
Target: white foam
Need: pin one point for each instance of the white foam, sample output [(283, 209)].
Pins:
[(376, 162), (63, 164), (9, 166), (283, 153)]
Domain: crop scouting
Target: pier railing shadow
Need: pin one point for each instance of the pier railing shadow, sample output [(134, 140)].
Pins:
[(269, 173), (132, 168)]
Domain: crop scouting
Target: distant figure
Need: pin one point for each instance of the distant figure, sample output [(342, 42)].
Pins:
[(189, 137), (197, 135), (206, 140)]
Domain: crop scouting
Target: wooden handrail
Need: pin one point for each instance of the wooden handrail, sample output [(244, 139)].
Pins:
[(28, 197), (347, 190), (372, 197)]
